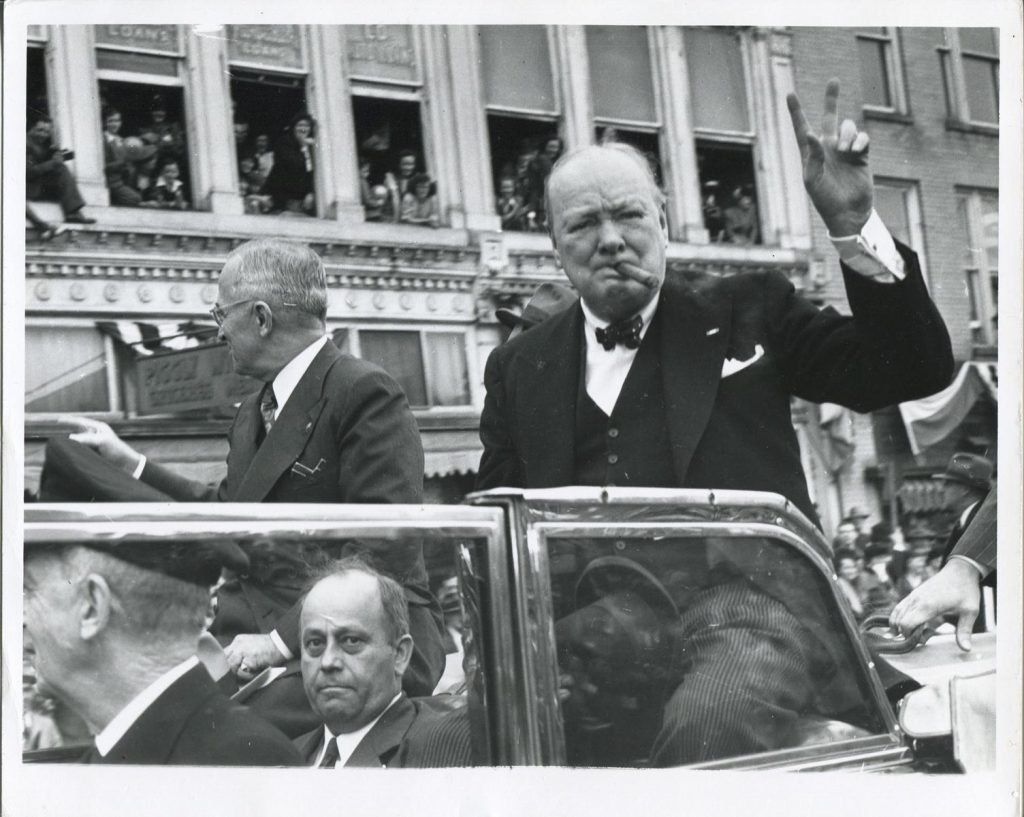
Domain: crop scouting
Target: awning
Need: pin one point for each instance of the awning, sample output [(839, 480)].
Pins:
[(932, 419), (443, 463)]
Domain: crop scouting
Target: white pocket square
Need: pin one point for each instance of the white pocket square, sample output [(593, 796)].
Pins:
[(730, 366)]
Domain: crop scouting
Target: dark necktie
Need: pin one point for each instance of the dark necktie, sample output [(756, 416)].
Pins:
[(625, 332), (268, 405), (331, 755)]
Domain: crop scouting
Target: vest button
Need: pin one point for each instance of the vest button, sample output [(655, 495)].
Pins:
[(613, 458), (613, 432)]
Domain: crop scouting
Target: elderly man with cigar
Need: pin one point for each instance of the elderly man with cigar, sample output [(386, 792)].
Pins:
[(661, 380)]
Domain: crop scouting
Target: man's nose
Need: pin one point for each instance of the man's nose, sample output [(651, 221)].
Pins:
[(332, 660), (610, 241)]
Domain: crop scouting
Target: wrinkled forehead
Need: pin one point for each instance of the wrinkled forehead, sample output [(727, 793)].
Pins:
[(595, 177)]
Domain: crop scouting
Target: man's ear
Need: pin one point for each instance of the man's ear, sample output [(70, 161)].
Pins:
[(264, 318), (403, 654), (95, 605), (663, 221)]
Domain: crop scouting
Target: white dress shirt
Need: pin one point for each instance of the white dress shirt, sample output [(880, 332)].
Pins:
[(607, 368), (348, 742), (123, 720), (872, 253)]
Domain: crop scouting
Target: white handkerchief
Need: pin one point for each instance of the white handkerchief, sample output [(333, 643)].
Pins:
[(731, 366)]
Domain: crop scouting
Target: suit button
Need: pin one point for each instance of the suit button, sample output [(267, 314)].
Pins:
[(613, 432), (613, 458)]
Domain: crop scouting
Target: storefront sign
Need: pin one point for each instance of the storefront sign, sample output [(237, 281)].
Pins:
[(164, 39), (266, 46), (381, 52), (200, 378)]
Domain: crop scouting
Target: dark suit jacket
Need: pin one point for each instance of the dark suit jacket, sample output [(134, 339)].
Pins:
[(725, 432), (978, 541), (397, 738), (192, 723), (345, 435)]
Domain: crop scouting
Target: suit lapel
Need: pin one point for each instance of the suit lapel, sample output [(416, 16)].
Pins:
[(310, 745), (378, 746), (546, 405), (286, 440), (694, 335), (245, 437)]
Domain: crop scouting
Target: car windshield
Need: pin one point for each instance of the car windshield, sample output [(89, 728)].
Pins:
[(686, 650)]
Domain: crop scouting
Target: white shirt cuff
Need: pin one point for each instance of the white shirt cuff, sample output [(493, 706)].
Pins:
[(281, 646), (872, 253), (982, 571), (137, 473)]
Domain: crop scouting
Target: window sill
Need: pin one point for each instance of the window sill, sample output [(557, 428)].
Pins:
[(971, 127), (888, 116)]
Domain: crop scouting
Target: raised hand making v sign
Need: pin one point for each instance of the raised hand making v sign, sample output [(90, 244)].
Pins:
[(835, 164)]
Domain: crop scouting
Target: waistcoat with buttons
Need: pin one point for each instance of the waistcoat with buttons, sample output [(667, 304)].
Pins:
[(631, 448)]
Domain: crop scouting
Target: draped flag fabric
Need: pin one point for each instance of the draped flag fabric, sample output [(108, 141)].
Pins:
[(932, 419), (830, 434), (148, 338)]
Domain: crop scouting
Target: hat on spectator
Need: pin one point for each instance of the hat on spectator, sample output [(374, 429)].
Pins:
[(857, 512), (881, 532), (876, 549), (135, 150), (972, 470), (549, 299), (73, 472)]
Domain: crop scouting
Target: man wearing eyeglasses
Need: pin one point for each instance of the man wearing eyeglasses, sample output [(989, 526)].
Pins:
[(326, 427)]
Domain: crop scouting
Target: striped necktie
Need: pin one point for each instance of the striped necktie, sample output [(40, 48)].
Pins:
[(331, 756), (268, 407)]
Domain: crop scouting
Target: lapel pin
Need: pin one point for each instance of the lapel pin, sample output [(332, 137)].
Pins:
[(711, 332)]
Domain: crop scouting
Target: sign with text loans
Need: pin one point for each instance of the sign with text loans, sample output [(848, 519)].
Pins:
[(199, 378), (266, 46), (164, 39)]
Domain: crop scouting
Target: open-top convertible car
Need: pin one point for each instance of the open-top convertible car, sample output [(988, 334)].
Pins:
[(625, 628)]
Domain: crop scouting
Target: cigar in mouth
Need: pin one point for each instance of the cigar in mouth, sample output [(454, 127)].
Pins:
[(628, 270)]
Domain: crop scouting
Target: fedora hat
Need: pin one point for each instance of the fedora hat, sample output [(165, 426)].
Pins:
[(972, 470), (549, 299)]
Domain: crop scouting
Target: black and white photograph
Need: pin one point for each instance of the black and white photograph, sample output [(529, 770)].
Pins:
[(583, 410)]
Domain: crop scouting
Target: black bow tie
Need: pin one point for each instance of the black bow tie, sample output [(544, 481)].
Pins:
[(625, 332)]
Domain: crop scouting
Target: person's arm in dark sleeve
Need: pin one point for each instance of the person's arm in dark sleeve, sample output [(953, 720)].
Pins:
[(894, 348), (500, 465), (979, 544)]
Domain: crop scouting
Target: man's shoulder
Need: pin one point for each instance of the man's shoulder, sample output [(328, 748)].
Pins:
[(228, 733)]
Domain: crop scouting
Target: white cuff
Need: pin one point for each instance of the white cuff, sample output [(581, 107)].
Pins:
[(137, 473), (872, 253), (281, 646), (982, 571)]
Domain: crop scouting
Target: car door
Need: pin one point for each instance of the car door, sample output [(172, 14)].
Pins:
[(665, 628)]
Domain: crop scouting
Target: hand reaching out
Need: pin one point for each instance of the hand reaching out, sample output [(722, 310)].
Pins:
[(835, 165)]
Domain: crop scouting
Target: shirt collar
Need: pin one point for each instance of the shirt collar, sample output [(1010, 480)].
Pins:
[(348, 741), (123, 720), (593, 323), (288, 378)]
